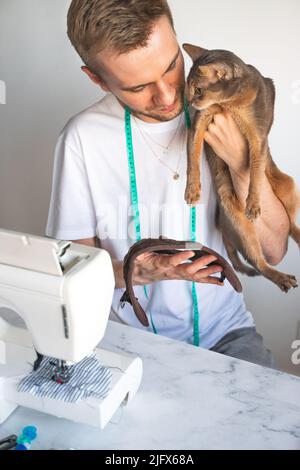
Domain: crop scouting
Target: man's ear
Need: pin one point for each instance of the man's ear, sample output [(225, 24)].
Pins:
[(195, 52), (95, 78)]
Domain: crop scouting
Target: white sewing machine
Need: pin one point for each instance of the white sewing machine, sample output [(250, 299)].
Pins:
[(63, 292)]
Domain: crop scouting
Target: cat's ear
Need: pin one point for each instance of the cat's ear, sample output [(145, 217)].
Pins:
[(209, 71), (221, 71), (238, 71), (195, 52), (227, 72)]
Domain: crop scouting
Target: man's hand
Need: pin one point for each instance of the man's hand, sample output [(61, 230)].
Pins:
[(227, 141), (150, 267)]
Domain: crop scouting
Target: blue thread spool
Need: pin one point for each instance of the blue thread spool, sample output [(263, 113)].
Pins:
[(30, 432), (23, 439), (28, 435), (22, 447)]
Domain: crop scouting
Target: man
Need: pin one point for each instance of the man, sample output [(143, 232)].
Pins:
[(130, 50)]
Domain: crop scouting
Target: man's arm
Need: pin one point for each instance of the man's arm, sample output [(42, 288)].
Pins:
[(151, 267), (273, 225), (117, 265)]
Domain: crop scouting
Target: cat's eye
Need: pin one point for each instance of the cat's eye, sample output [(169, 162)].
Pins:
[(198, 91)]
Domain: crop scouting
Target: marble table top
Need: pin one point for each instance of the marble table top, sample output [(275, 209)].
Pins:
[(190, 398)]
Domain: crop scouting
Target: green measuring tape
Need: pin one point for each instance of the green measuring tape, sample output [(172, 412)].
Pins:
[(136, 212)]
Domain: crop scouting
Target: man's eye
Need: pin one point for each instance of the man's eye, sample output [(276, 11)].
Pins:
[(172, 66), (136, 90)]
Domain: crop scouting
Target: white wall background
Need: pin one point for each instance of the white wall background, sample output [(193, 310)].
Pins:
[(45, 86)]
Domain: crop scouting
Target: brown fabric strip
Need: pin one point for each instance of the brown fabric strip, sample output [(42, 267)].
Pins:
[(168, 246)]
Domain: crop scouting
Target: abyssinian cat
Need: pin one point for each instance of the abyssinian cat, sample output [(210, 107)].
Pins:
[(219, 81)]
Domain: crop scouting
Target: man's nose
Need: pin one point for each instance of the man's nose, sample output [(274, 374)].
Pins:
[(165, 95)]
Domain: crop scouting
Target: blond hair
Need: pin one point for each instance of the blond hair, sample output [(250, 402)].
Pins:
[(118, 25)]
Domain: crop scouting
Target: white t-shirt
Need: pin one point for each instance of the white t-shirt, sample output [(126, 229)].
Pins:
[(91, 197)]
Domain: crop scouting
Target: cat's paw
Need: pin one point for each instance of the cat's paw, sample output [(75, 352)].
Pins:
[(286, 281), (252, 210), (192, 194)]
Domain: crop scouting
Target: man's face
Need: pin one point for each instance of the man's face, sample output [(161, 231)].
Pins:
[(150, 80)]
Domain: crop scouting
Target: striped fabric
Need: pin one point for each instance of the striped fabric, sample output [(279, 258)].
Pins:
[(87, 378)]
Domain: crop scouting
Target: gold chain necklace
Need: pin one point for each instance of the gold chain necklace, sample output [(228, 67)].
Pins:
[(176, 174), (166, 149)]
